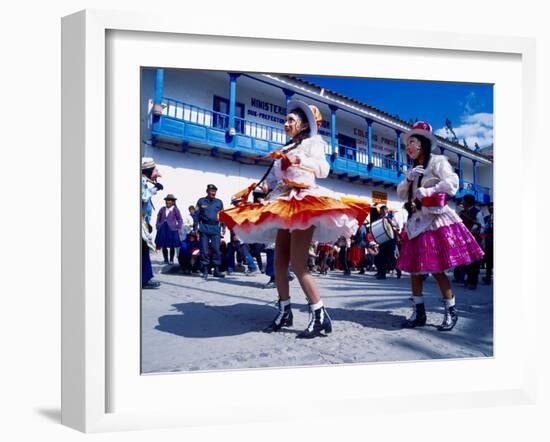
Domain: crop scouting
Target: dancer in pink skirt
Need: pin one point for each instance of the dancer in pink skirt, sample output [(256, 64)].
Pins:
[(434, 239)]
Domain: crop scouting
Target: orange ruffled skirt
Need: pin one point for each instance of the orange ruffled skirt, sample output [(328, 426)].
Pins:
[(298, 210)]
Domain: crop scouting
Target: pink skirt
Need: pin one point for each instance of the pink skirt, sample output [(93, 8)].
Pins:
[(435, 251)]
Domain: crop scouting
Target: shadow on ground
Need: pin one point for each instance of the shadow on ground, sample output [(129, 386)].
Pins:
[(200, 320)]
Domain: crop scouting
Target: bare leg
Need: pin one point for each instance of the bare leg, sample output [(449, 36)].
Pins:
[(417, 284), (282, 259), (299, 246), (444, 285)]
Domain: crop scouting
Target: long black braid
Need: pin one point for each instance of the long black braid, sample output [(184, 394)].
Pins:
[(293, 142), (412, 203)]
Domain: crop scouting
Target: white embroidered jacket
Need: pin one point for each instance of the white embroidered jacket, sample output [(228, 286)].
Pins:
[(439, 177), (313, 164)]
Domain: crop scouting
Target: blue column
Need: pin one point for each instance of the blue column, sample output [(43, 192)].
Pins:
[(398, 140), (460, 182), (288, 94), (159, 86), (232, 100), (334, 145), (159, 89), (369, 142)]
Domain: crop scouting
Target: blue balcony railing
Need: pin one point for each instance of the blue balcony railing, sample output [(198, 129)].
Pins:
[(259, 131), (182, 122), (193, 114)]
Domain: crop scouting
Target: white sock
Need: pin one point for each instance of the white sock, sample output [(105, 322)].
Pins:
[(285, 302), (316, 306), (449, 302), (418, 299)]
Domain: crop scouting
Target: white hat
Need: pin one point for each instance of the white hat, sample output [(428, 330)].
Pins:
[(147, 163), (424, 129), (311, 120)]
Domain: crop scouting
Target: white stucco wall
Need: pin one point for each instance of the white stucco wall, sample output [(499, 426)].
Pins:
[(186, 175)]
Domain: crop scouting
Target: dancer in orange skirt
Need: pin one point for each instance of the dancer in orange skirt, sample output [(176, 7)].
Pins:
[(295, 212)]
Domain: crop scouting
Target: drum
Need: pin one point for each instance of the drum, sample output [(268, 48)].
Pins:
[(382, 230)]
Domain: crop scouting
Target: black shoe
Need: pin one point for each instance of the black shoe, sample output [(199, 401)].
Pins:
[(449, 320), (319, 321), (151, 285), (418, 317), (217, 273), (283, 319), (361, 272)]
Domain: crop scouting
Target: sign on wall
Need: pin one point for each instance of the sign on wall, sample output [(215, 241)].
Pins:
[(379, 197)]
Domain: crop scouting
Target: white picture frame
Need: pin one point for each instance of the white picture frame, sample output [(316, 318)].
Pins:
[(87, 178)]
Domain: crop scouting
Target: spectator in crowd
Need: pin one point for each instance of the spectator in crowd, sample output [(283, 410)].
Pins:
[(488, 245), (256, 250), (386, 252), (360, 241), (209, 228), (190, 222), (331, 258), (269, 265), (473, 219), (149, 187), (395, 244), (343, 246), (236, 246), (169, 224), (372, 251), (188, 256), (324, 251), (312, 256)]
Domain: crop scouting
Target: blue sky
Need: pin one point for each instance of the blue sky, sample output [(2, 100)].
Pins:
[(469, 107)]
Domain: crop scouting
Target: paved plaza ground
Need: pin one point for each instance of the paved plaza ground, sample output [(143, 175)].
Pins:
[(193, 324)]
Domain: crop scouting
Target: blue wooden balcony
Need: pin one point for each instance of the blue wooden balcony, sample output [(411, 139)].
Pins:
[(187, 124)]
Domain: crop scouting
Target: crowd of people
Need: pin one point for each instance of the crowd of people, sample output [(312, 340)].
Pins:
[(303, 229)]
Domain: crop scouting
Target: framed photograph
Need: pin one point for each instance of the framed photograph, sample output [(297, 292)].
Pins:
[(204, 107)]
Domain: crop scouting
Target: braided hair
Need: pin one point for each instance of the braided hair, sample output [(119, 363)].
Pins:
[(426, 146), (300, 136), (292, 144)]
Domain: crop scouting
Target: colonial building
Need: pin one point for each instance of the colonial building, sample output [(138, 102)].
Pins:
[(211, 126)]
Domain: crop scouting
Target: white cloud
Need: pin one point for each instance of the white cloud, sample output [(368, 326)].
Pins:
[(474, 128)]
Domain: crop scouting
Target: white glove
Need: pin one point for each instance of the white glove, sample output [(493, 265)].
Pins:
[(422, 192), (415, 172)]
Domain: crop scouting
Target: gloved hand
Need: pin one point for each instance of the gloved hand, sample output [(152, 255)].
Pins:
[(422, 192), (415, 172), (159, 186)]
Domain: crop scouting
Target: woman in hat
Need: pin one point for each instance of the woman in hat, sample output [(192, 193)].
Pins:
[(295, 212), (434, 239), (149, 187), (169, 224)]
